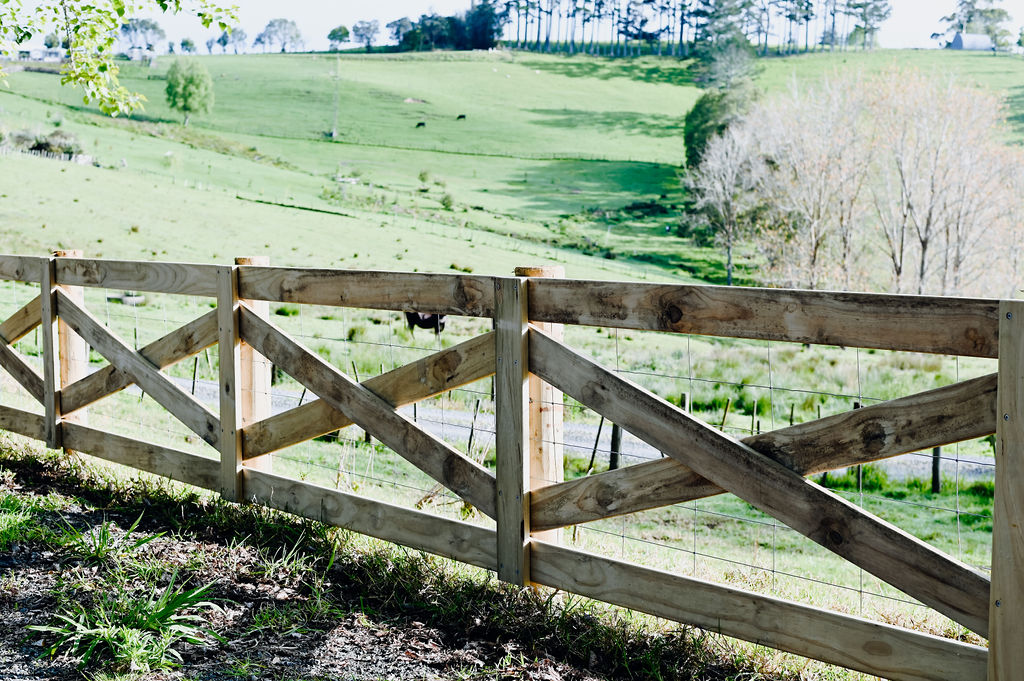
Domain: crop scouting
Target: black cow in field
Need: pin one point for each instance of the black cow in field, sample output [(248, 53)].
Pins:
[(460, 117), (421, 124), (425, 321)]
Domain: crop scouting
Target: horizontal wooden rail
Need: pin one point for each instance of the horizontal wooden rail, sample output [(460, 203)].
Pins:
[(455, 294), (415, 529), (870, 647), (433, 456), (144, 456), (952, 326), (938, 417), (448, 369), (23, 268), (23, 422), (907, 563), (155, 277), (172, 348)]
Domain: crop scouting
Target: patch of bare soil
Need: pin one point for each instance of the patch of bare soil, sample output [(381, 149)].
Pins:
[(269, 629)]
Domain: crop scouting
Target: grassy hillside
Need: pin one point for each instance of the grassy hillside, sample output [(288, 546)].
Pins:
[(575, 153)]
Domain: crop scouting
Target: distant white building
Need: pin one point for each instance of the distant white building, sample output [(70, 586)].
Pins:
[(971, 41)]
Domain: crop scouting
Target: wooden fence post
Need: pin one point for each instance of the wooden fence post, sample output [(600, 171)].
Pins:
[(51, 359), (73, 351), (511, 395), (547, 413), (229, 347), (1006, 612), (255, 371)]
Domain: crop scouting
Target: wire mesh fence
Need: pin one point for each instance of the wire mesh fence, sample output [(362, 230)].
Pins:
[(742, 387)]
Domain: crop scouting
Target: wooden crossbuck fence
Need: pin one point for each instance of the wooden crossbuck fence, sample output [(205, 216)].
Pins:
[(530, 365)]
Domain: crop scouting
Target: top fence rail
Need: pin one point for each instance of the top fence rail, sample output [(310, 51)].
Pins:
[(929, 324)]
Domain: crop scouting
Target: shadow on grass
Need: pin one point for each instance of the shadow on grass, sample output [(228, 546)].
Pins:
[(666, 70), (568, 187), (651, 125), (1015, 109)]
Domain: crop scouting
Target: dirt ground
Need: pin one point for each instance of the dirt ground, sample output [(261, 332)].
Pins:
[(353, 646)]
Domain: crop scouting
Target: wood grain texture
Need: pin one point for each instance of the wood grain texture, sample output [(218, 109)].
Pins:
[(905, 562), (512, 430), (415, 529), (255, 377), (852, 642), (547, 413), (954, 326), (19, 324), (433, 456), (23, 422), (455, 294), (194, 414), (126, 275), (28, 269), (954, 413), (432, 375), (1006, 640), (229, 348), (144, 456), (171, 348), (72, 350), (51, 370)]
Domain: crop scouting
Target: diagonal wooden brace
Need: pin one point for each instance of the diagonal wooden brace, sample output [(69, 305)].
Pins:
[(22, 372), (433, 456), (954, 413), (183, 406), (172, 348), (907, 563), (22, 322), (450, 368)]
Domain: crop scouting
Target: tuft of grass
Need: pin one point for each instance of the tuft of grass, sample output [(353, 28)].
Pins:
[(15, 521), (137, 634), (102, 543), (872, 479)]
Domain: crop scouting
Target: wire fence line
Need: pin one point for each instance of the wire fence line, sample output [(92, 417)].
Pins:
[(741, 388)]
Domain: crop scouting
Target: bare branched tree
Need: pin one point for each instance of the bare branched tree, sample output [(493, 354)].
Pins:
[(725, 184)]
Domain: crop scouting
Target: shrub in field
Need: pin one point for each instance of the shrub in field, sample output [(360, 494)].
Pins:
[(189, 88)]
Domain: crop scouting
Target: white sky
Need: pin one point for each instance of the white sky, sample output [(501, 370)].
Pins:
[(911, 23)]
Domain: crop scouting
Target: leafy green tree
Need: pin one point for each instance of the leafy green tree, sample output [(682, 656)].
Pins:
[(337, 36), (980, 16), (365, 32), (91, 30), (869, 15), (282, 32), (238, 38), (51, 41), (710, 116), (484, 23), (189, 88), (188, 46), (223, 40), (398, 28), (142, 32)]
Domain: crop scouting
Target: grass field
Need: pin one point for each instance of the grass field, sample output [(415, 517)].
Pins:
[(566, 160)]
